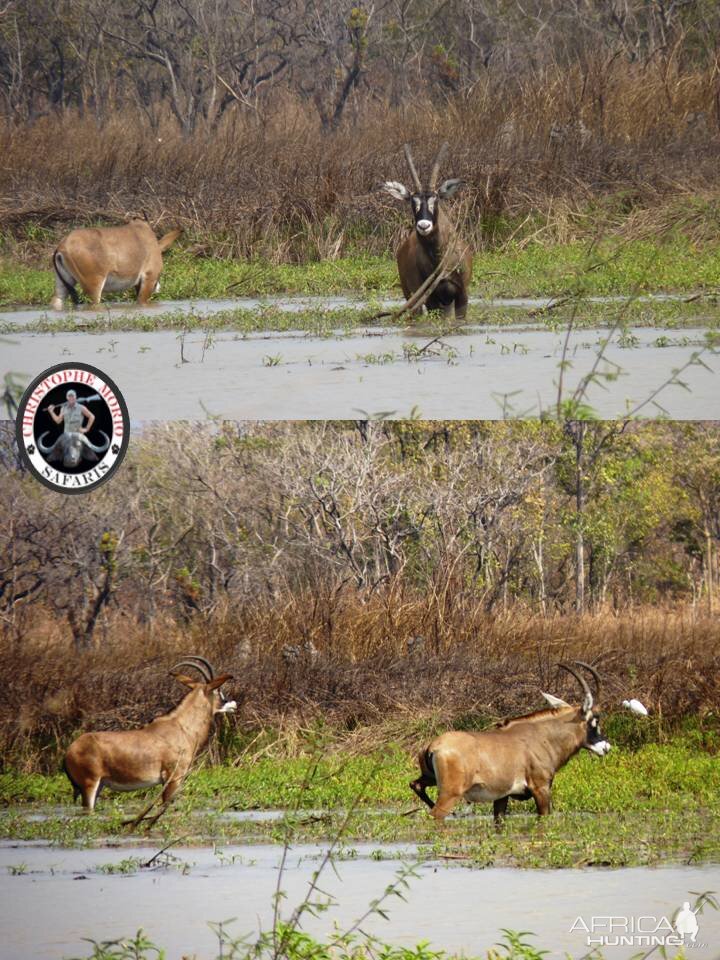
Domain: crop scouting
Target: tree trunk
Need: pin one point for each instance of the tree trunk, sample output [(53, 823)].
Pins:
[(709, 569)]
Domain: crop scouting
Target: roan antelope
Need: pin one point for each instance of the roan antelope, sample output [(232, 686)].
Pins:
[(110, 258), (518, 758), (434, 243), (159, 753)]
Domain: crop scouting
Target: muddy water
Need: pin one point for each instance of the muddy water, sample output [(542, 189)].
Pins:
[(64, 897), (288, 304), (478, 374)]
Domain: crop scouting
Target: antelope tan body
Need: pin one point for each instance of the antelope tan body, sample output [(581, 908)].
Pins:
[(110, 259), (518, 758), (161, 752)]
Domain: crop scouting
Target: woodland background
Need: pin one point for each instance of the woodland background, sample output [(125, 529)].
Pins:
[(264, 126), (357, 571), (360, 572)]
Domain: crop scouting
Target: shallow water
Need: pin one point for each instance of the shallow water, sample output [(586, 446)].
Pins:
[(63, 897), (478, 374), (288, 304), (263, 816)]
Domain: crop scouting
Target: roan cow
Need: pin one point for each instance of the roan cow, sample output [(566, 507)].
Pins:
[(110, 258)]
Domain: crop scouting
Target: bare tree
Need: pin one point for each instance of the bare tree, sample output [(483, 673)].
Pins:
[(202, 55)]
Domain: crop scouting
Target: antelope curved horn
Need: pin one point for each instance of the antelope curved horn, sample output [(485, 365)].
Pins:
[(413, 171), (203, 667), (204, 662), (580, 679), (593, 673), (436, 166), (97, 448)]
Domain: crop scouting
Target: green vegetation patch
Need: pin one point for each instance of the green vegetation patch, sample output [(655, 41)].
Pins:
[(666, 316), (669, 264), (673, 264), (185, 277), (657, 803), (290, 943)]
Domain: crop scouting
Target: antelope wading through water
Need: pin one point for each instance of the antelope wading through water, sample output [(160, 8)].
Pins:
[(110, 258), (517, 758), (161, 752), (433, 242)]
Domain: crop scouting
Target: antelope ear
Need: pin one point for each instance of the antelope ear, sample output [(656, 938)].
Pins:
[(554, 701), (219, 681), (395, 189), (188, 681), (587, 705), (448, 188)]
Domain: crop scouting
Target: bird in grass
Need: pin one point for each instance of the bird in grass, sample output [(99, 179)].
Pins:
[(636, 707)]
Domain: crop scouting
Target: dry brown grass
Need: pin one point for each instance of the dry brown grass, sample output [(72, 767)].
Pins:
[(571, 148), (363, 675)]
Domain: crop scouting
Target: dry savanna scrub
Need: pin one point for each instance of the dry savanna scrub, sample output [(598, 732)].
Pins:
[(561, 153), (369, 683), (363, 576)]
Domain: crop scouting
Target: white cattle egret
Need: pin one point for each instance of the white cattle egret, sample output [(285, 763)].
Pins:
[(636, 707), (555, 701)]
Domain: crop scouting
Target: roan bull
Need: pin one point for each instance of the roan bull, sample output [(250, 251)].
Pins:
[(433, 245), (518, 758), (71, 448), (161, 752), (110, 258)]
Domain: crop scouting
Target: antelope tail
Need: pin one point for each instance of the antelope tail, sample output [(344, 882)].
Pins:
[(76, 789), (58, 267), (168, 239), (426, 764)]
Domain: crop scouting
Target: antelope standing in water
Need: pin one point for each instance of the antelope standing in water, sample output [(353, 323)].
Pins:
[(161, 752), (518, 758), (433, 245), (110, 258)]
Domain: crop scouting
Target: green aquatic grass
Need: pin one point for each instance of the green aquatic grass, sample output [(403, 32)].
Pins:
[(266, 783), (572, 841), (20, 284), (674, 264), (645, 803), (245, 322), (647, 767), (563, 840), (185, 277), (338, 322)]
